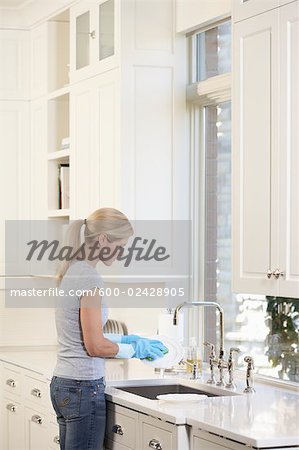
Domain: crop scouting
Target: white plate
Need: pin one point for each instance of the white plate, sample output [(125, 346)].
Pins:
[(181, 397), (174, 355)]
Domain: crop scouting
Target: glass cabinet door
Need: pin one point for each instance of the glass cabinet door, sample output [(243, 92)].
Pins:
[(106, 29), (83, 37)]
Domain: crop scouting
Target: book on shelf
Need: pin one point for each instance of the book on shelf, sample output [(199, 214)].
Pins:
[(64, 186)]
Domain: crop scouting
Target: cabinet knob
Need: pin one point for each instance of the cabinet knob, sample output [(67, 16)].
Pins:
[(155, 444), (11, 407), (56, 440), (92, 34), (10, 382), (36, 393), (277, 273), (269, 274), (117, 429), (37, 419)]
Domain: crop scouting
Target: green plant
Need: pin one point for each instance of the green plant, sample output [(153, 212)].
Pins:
[(282, 340)]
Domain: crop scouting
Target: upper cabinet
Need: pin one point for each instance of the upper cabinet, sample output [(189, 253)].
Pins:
[(243, 9), (94, 38), (289, 155), (265, 153), (14, 57)]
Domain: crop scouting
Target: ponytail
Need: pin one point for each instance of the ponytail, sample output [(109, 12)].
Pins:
[(105, 220), (72, 239)]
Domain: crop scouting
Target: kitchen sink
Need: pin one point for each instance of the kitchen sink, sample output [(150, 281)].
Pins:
[(151, 391)]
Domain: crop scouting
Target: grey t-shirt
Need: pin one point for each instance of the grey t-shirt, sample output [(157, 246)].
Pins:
[(73, 360)]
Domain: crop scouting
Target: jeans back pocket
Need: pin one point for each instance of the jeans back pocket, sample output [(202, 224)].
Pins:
[(68, 401)]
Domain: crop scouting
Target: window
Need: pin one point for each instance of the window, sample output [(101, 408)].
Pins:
[(266, 328)]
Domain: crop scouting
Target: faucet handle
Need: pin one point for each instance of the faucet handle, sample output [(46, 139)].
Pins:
[(250, 362), (212, 347)]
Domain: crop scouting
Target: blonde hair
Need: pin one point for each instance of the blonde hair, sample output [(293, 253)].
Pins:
[(108, 221)]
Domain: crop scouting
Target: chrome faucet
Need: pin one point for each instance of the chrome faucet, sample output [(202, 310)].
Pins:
[(204, 304), (212, 361), (230, 365), (249, 375), (221, 364)]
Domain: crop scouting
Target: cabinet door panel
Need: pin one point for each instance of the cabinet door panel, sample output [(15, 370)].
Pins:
[(289, 144), (121, 427), (14, 57), (255, 85), (81, 41), (243, 9), (82, 175), (202, 444), (36, 431), (154, 432), (13, 424), (14, 170)]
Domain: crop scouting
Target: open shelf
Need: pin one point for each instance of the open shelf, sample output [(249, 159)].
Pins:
[(58, 213), (61, 156), (59, 121)]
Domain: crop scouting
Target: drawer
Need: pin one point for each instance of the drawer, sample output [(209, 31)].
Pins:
[(53, 436), (156, 434), (121, 426), (37, 391), (11, 380), (112, 445)]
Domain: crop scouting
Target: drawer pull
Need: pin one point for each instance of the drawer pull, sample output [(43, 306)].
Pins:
[(117, 429), (155, 444), (37, 419), (36, 393), (269, 274), (10, 382), (56, 440), (11, 407)]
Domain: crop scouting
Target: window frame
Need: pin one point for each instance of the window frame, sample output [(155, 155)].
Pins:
[(210, 91)]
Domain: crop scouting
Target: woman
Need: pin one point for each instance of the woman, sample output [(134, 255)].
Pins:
[(78, 383)]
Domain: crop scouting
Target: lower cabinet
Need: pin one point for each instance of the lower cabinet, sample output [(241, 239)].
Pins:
[(130, 430), (27, 419), (12, 418), (36, 429), (53, 434), (202, 440)]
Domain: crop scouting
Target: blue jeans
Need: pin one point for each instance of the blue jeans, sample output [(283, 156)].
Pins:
[(81, 412)]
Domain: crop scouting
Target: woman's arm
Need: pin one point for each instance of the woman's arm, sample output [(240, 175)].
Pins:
[(91, 318)]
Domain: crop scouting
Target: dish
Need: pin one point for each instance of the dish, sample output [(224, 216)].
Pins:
[(175, 353), (181, 397)]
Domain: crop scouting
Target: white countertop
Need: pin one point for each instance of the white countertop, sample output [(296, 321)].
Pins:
[(268, 418)]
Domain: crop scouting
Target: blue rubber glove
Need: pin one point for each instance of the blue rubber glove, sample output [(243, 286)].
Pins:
[(133, 338), (143, 349), (129, 338)]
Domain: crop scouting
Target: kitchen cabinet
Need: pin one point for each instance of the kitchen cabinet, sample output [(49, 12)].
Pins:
[(157, 434), (265, 163), (53, 434), (288, 163), (36, 431), (243, 9), (94, 28), (202, 440), (26, 411), (121, 428), (14, 50), (13, 423), (15, 169), (94, 131), (129, 430)]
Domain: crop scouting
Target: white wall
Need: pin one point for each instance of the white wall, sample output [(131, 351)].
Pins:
[(191, 14)]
